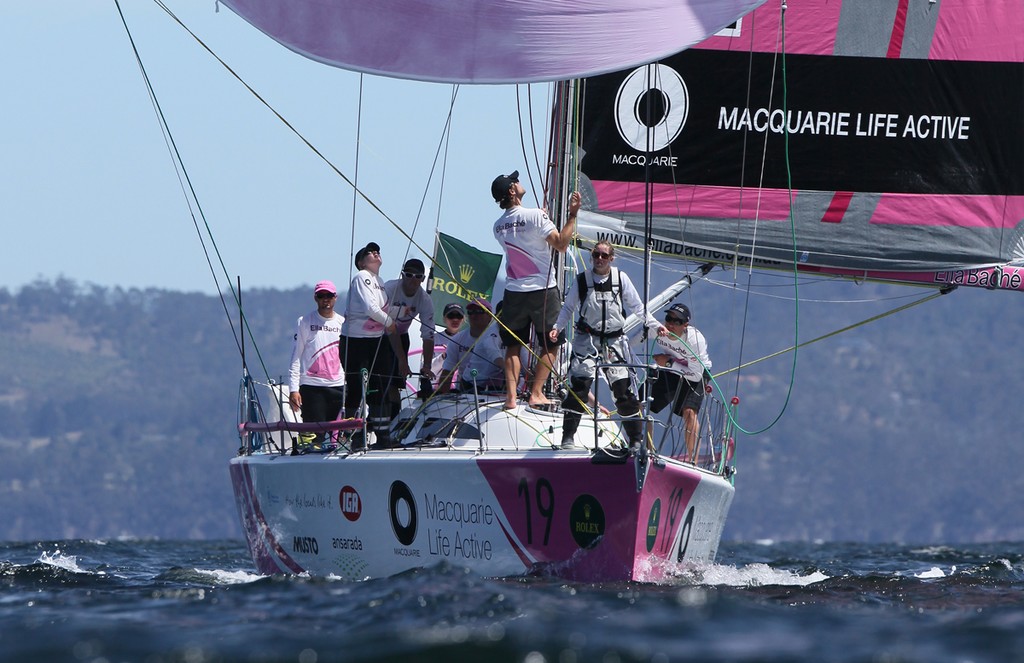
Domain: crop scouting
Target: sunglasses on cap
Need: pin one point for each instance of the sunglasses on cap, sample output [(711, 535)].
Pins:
[(413, 275), (671, 320), (323, 294)]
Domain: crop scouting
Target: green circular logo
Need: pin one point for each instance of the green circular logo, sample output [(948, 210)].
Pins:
[(586, 518), (652, 524)]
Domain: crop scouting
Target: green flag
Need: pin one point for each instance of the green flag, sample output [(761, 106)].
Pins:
[(461, 274)]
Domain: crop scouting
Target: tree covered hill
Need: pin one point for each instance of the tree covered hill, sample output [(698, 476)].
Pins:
[(118, 412)]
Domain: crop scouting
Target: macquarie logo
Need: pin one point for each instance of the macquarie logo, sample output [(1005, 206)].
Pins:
[(651, 107)]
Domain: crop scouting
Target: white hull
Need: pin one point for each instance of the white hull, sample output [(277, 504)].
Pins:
[(581, 514)]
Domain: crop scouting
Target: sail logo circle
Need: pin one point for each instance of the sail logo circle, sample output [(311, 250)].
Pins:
[(402, 508), (651, 107)]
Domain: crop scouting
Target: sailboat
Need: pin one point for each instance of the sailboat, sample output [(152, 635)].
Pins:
[(822, 137)]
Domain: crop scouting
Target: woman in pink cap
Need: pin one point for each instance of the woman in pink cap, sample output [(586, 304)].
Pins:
[(316, 380)]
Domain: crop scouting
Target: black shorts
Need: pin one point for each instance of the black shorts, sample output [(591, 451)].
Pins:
[(521, 310), (691, 394)]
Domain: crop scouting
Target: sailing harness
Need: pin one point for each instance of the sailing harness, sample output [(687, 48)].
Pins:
[(601, 313)]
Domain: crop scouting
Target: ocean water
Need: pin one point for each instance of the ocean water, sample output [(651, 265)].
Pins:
[(197, 601)]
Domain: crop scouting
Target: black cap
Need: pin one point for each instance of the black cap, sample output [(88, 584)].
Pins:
[(454, 306), (501, 185), (414, 266), (361, 253), (682, 311)]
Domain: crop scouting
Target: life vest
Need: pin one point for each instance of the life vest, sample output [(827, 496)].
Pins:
[(601, 311)]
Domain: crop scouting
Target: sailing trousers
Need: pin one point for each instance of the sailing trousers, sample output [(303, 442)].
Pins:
[(378, 359), (626, 403)]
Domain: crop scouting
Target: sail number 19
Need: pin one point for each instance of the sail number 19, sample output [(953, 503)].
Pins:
[(544, 498)]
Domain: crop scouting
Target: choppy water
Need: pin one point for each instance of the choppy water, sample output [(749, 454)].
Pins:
[(154, 601)]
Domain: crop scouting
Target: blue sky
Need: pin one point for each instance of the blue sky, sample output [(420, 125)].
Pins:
[(89, 190)]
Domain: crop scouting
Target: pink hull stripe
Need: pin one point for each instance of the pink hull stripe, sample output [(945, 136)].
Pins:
[(262, 526)]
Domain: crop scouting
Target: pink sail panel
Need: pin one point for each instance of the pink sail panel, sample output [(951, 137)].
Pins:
[(488, 41), (981, 30), (730, 203)]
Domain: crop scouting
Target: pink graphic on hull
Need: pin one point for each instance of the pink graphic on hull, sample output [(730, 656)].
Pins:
[(267, 553), (564, 522)]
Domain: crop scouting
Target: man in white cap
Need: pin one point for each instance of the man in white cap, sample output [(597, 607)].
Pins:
[(370, 341), (315, 379), (531, 294), (683, 353)]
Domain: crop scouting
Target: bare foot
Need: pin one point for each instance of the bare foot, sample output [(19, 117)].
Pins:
[(508, 406), (535, 402)]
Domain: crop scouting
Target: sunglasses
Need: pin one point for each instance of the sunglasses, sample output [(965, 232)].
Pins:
[(454, 316), (475, 311), (325, 295), (413, 275), (674, 321), (602, 256)]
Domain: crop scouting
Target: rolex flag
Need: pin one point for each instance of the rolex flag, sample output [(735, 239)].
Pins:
[(460, 274)]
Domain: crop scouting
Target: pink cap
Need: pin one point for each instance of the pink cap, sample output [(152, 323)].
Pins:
[(325, 286), (481, 302)]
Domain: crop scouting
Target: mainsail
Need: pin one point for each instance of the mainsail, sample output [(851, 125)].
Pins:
[(893, 132), (488, 41)]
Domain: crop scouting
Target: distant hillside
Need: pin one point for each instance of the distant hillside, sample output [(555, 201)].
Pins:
[(118, 410)]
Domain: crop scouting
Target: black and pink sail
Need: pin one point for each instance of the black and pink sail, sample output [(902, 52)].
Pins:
[(893, 132)]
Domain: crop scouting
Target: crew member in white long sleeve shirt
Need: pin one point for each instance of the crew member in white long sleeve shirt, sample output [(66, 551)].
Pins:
[(369, 340), (315, 378)]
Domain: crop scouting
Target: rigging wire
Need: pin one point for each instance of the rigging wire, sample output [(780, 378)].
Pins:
[(188, 191), (780, 57), (337, 171), (442, 149), (355, 179), (836, 332)]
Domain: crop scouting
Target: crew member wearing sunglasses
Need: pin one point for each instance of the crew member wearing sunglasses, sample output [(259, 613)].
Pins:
[(315, 378), (599, 302), (407, 300), (684, 353), (476, 353), (454, 316)]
